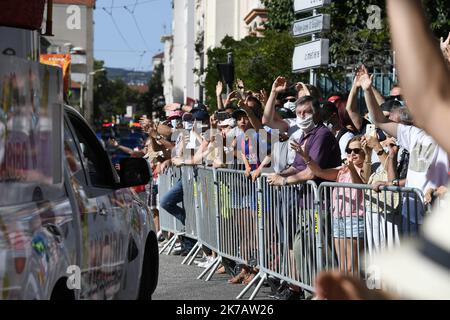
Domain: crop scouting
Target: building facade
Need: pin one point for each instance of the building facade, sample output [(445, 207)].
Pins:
[(198, 25)]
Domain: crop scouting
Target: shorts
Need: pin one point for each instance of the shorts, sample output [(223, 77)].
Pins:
[(347, 227)]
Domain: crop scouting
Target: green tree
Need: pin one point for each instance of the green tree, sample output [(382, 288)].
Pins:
[(351, 41), (101, 90), (258, 61), (112, 96), (152, 101), (281, 14)]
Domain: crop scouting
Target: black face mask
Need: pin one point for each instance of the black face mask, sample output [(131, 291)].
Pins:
[(395, 98)]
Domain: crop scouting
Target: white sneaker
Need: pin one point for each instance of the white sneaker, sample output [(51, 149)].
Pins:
[(209, 261)]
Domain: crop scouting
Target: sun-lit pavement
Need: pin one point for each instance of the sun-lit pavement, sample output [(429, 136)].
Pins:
[(179, 282)]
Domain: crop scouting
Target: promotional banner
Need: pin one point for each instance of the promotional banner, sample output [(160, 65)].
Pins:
[(61, 60), (30, 122)]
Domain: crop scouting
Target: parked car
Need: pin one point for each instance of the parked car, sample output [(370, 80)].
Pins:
[(71, 227)]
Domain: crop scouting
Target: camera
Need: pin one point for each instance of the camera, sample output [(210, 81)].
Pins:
[(222, 115)]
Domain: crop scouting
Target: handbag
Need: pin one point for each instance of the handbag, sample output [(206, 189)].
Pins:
[(381, 202)]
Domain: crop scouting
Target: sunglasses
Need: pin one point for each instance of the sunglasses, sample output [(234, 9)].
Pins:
[(290, 100), (356, 150)]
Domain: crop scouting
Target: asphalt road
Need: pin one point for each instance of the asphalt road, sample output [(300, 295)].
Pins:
[(179, 282)]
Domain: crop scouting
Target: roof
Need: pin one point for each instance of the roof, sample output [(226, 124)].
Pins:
[(159, 55), (87, 3), (138, 88)]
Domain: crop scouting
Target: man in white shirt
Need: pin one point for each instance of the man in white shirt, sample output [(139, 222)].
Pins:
[(428, 163)]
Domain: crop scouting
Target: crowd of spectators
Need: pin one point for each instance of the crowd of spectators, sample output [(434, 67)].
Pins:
[(294, 134)]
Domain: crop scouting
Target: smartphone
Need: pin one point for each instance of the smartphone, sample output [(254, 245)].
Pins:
[(222, 115), (371, 130)]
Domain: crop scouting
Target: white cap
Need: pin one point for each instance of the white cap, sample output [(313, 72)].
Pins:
[(228, 122)]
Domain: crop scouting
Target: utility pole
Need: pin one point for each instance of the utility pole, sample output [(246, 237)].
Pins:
[(230, 64)]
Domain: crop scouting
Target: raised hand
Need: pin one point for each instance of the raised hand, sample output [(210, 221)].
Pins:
[(263, 97), (213, 122), (219, 88), (279, 85), (366, 81), (445, 47), (301, 87), (233, 95)]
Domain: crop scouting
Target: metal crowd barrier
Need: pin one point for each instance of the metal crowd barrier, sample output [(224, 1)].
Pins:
[(291, 232), (291, 241), (208, 216), (189, 201), (167, 221), (359, 222), (238, 217)]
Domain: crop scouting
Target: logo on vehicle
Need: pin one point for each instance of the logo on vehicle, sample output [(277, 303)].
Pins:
[(74, 279)]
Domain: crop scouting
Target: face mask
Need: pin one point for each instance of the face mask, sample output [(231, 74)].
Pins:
[(174, 123), (188, 125), (306, 124), (290, 106)]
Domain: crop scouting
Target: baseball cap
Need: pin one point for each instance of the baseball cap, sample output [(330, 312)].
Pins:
[(227, 122), (175, 114), (200, 114)]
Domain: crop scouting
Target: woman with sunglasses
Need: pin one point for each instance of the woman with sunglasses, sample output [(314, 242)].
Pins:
[(347, 204)]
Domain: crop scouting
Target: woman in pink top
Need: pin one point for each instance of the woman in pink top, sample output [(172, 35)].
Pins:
[(348, 211)]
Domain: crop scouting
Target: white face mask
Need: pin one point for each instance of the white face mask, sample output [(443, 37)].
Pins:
[(306, 124), (290, 106), (188, 125)]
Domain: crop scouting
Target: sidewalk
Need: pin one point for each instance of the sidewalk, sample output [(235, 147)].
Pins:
[(179, 282)]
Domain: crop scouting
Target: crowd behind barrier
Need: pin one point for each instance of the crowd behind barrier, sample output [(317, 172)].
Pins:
[(288, 233)]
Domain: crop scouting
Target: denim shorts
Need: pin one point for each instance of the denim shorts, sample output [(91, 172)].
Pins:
[(348, 227)]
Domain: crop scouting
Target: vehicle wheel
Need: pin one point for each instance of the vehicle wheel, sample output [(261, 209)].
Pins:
[(150, 268)]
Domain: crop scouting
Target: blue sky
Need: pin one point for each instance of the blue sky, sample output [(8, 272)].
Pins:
[(127, 51)]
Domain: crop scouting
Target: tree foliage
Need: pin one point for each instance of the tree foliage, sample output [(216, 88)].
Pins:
[(153, 100), (351, 40), (112, 96), (258, 61), (281, 14)]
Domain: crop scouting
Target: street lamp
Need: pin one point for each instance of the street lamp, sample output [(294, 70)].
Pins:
[(95, 71)]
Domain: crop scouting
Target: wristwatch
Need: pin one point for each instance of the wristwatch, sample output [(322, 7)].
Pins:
[(158, 137), (379, 153), (395, 182)]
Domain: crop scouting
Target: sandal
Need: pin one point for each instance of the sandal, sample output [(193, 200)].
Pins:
[(239, 278), (249, 278)]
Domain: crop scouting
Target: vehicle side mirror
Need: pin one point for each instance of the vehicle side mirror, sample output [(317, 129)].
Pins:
[(134, 172)]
